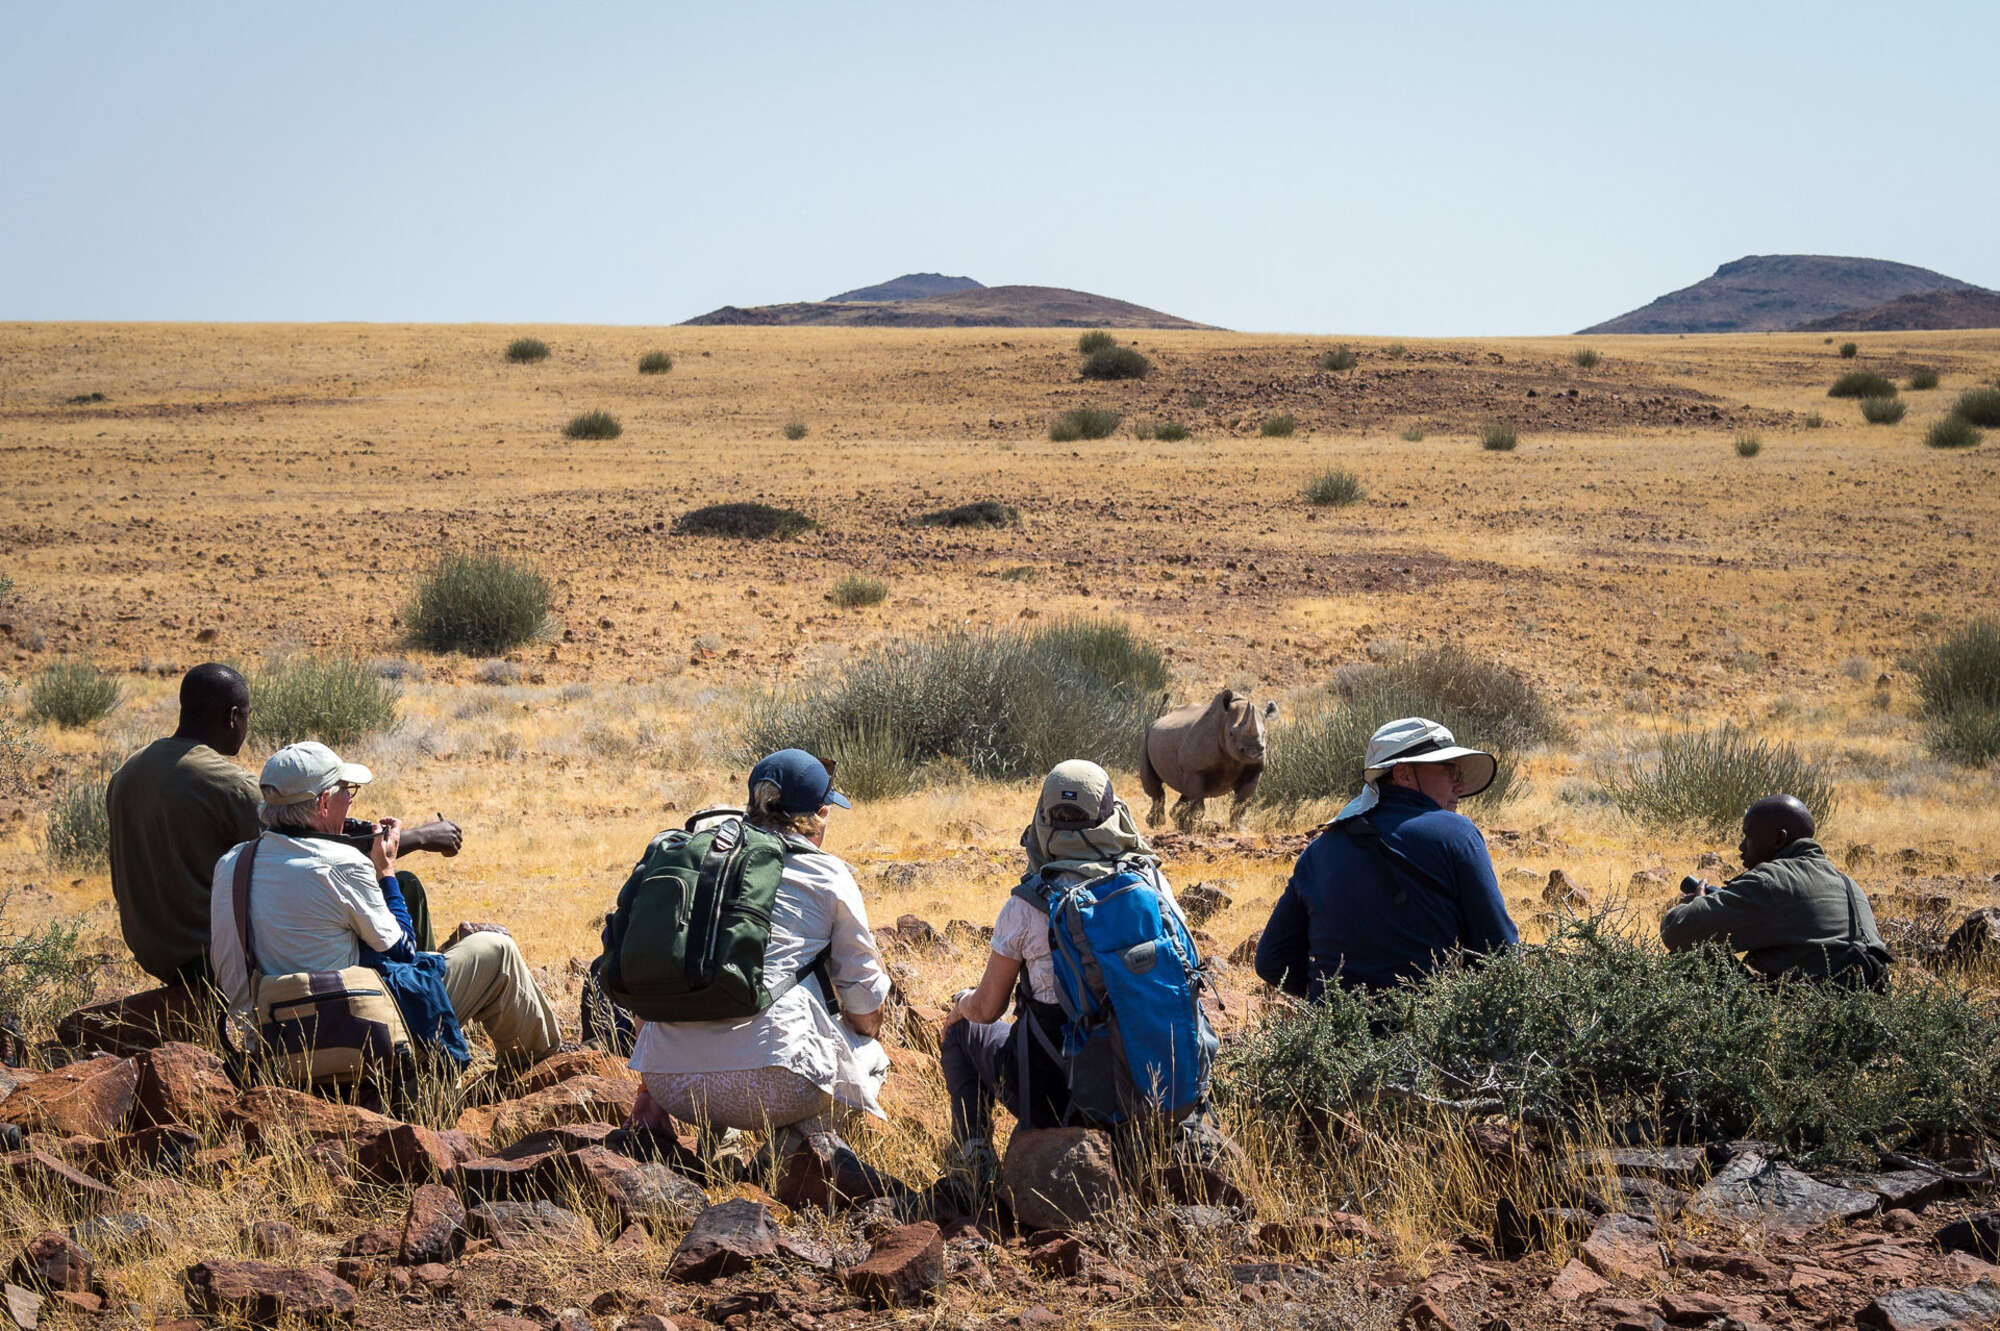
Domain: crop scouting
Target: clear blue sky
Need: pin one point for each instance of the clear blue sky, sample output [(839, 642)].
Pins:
[(1320, 167)]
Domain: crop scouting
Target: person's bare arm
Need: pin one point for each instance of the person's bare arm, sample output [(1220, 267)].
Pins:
[(440, 835), (988, 1000), (864, 1023)]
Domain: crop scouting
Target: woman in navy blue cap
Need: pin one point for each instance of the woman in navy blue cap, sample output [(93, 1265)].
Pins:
[(794, 1067)]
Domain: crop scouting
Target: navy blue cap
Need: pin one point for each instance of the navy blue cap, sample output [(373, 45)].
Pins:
[(804, 785)]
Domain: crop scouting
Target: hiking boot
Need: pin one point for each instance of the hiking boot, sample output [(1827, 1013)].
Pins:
[(971, 1186), (822, 1170)]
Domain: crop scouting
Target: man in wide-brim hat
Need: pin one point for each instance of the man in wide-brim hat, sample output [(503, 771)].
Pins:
[(1400, 881)]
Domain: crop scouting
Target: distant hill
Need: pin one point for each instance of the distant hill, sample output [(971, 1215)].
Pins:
[(1766, 292), (911, 286), (972, 306), (1956, 307)]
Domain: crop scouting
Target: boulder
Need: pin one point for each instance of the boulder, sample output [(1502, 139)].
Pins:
[(1978, 1234), (1977, 939), (724, 1239), (51, 1262), (1753, 1191), (121, 1236), (165, 1148), (1933, 1308), (55, 1183), (494, 1178), (1202, 901), (638, 1190), (1055, 1178), (570, 1063), (587, 1099), (91, 1099), (1563, 893), (271, 1238), (433, 1227), (1624, 1247), (404, 1153), (902, 1268), (260, 1293), (141, 1021), (181, 1083), (279, 1116), (519, 1226)]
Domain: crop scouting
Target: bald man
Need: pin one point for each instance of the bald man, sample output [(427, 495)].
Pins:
[(1790, 912)]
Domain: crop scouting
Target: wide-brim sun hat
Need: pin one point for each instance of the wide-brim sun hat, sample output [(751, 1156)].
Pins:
[(1414, 739)]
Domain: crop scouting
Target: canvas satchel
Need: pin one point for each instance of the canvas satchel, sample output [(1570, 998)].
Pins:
[(320, 1027)]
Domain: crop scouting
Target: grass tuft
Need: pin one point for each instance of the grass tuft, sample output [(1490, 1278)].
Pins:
[(480, 602), (523, 350), (1083, 423), (857, 589), (1923, 377), (1395, 351), (1116, 363), (72, 694), (1958, 689), (1499, 438), (1861, 383), (1748, 445), (335, 699), (593, 425), (1095, 341), (979, 513), (795, 429), (1980, 406), (1413, 435), (1171, 432), (655, 362), (1335, 487), (1883, 410), (1848, 351), (1586, 358), (1705, 780), (1338, 359), (1952, 432), (748, 521), (1278, 425), (76, 830), (1813, 420)]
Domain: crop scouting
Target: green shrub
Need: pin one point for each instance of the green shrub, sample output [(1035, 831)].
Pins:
[(1883, 410), (748, 521), (1278, 425), (335, 699), (72, 694), (655, 362), (795, 429), (1980, 406), (1595, 1026), (1923, 377), (1705, 780), (480, 602), (1499, 438), (858, 589), (76, 830), (1171, 432), (1748, 445), (979, 513), (1586, 358), (994, 703), (1968, 735), (1083, 423), (524, 349), (1813, 420), (1334, 486), (1861, 383), (18, 750), (1413, 435), (593, 425), (1958, 691), (6, 586), (44, 973), (1848, 351), (1338, 359), (1395, 351), (1952, 432), (1095, 341), (1116, 363), (1317, 753), (85, 399)]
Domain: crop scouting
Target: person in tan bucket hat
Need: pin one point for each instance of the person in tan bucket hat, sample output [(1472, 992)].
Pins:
[(1399, 881)]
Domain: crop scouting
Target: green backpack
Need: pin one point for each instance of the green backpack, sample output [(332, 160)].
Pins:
[(686, 941)]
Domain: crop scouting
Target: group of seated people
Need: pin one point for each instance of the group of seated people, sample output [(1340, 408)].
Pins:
[(1397, 885)]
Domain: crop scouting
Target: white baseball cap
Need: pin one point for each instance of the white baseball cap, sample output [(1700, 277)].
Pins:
[(299, 773)]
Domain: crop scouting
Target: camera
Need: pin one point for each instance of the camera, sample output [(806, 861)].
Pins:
[(358, 834), (1692, 886)]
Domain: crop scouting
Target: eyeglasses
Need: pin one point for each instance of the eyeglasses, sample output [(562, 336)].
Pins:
[(345, 788)]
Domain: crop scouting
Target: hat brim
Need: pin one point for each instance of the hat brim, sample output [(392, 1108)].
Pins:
[(354, 774), (837, 800), (1476, 766)]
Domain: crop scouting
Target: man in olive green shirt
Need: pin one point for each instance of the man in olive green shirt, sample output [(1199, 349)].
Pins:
[(177, 806), (1790, 912)]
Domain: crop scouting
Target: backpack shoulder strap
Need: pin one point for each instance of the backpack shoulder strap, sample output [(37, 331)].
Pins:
[(1399, 868), (245, 858)]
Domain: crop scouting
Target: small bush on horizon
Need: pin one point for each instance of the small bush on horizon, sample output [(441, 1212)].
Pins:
[(655, 362), (1278, 425), (857, 589), (1813, 420), (1883, 410), (72, 694), (979, 513), (1958, 692), (1094, 341), (1848, 351), (525, 349), (335, 699), (479, 602), (1395, 351), (795, 429), (1748, 445), (1923, 377), (1338, 360), (593, 425), (1083, 423), (1116, 363), (1171, 432), (1334, 487), (1861, 383), (1586, 358), (1499, 438), (1413, 435), (746, 520), (1980, 406), (1952, 432), (1705, 780)]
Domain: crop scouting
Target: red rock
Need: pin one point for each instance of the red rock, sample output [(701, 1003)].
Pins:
[(648, 1322), (578, 1100), (725, 1239), (561, 1067), (79, 1302), (1742, 1265), (1057, 1257), (1200, 1185), (52, 1262), (23, 1305), (433, 1276), (631, 1240), (638, 1189), (902, 1268), (166, 1147), (1933, 1309), (181, 1083), (433, 1228), (272, 1238), (1056, 1177), (44, 1176), (372, 1243), (1694, 1308), (1624, 1247), (277, 1115), (517, 1226), (1423, 1314), (92, 1098), (624, 1300), (261, 1293), (404, 1153), (1576, 1281), (138, 1022)]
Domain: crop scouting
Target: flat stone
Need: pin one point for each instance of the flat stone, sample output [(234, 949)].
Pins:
[(1933, 1308), (515, 1226), (1674, 1164), (403, 1153), (1905, 1189), (1752, 1191), (23, 1305), (92, 1099), (51, 1261), (433, 1227), (1978, 1234), (181, 1083), (278, 1116), (903, 1267), (44, 1176), (1058, 1177), (121, 1236), (1735, 1262), (1624, 1247), (638, 1189), (561, 1067), (138, 1022), (585, 1099), (1576, 1282), (724, 1239), (260, 1293)]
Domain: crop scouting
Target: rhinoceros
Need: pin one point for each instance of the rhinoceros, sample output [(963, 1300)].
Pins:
[(1204, 749)]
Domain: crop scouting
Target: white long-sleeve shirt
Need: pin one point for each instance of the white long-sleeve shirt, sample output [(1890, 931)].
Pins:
[(313, 903)]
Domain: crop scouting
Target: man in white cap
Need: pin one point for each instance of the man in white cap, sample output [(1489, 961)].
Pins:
[(316, 901), (1399, 881)]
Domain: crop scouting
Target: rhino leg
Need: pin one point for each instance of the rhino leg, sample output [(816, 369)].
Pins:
[(1244, 791), (1187, 812), (1157, 811)]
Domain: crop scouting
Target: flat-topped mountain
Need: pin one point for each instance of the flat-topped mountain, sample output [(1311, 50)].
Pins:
[(1955, 307), (1768, 292), (964, 305)]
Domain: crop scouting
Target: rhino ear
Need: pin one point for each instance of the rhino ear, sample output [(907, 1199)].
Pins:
[(1270, 709), (1225, 698)]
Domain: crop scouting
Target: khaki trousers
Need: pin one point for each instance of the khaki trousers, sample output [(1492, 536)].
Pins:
[(488, 981)]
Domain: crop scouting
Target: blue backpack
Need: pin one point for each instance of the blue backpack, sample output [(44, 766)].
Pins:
[(1136, 1037)]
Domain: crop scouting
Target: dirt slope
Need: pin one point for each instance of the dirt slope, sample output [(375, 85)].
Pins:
[(1958, 307), (982, 307), (910, 286), (1769, 292)]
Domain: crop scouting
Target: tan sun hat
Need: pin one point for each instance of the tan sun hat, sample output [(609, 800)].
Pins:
[(1415, 739), (299, 773)]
